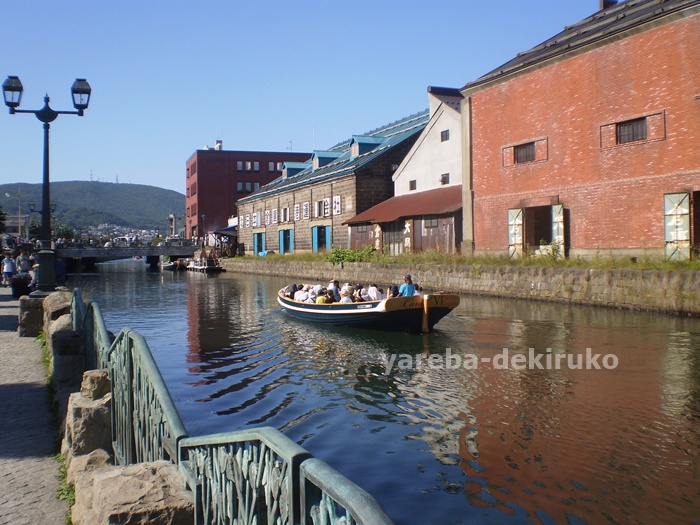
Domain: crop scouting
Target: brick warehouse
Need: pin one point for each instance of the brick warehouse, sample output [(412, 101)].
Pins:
[(591, 139), (304, 209), (217, 178)]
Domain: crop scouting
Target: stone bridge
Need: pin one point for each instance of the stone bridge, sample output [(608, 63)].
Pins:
[(78, 258)]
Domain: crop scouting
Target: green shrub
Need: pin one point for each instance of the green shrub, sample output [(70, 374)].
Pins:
[(341, 255)]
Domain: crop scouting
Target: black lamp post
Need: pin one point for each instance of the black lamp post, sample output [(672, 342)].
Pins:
[(12, 92)]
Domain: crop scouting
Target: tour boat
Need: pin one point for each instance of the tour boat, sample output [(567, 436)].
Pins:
[(416, 313)]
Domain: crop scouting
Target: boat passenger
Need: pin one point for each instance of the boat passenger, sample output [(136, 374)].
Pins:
[(346, 296), (360, 294), (322, 297), (290, 290), (312, 295), (407, 288), (302, 294), (334, 286), (393, 291), (374, 293)]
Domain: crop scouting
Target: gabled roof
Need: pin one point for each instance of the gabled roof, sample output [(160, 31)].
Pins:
[(388, 137), (439, 201), (324, 154), (608, 22), (451, 97)]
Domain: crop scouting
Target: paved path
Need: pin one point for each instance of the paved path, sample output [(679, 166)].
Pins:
[(28, 472)]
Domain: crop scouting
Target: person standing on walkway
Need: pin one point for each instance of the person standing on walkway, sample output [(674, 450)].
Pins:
[(8, 269), (22, 262)]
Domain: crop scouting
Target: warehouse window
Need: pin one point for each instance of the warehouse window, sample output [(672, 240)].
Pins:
[(631, 131), (524, 153)]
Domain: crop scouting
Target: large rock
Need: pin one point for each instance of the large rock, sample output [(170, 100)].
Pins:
[(79, 466), (88, 424), (95, 384), (141, 494), (56, 304)]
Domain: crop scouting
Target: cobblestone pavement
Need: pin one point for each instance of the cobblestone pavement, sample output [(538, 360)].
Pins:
[(28, 472)]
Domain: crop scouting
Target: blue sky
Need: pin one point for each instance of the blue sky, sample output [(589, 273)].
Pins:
[(170, 77)]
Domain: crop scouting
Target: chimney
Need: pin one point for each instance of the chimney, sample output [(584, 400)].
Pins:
[(604, 4), (219, 145)]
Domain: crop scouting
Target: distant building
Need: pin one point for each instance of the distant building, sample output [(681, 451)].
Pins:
[(590, 141), (217, 178), (305, 208), (426, 210)]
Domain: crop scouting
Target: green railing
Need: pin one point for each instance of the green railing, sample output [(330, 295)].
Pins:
[(246, 477)]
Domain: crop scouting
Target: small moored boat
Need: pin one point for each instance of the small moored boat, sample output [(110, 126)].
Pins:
[(416, 313), (205, 265)]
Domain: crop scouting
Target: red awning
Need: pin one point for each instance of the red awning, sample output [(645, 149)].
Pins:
[(440, 201)]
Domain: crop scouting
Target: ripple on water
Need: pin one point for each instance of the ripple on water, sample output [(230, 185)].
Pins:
[(441, 446)]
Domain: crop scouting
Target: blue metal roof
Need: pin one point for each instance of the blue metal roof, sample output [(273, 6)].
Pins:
[(388, 137)]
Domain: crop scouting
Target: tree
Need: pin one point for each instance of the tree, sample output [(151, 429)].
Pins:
[(3, 216), (34, 228), (63, 231)]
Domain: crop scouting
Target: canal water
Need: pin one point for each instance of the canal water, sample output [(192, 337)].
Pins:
[(436, 427)]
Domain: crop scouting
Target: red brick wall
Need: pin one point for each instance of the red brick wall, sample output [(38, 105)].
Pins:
[(614, 194), (216, 180)]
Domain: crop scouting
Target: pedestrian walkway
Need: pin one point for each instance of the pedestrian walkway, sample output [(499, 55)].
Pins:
[(29, 479)]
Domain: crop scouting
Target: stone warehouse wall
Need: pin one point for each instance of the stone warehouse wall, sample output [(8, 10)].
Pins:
[(672, 292)]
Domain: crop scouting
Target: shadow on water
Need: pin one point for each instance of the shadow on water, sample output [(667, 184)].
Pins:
[(440, 444)]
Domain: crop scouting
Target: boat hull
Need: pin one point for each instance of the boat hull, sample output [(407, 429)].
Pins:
[(404, 314)]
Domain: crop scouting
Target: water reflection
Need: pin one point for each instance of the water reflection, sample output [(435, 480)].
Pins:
[(482, 445)]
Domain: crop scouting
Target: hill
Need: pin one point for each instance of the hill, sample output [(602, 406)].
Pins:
[(81, 204)]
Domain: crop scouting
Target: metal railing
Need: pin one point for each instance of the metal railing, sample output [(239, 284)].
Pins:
[(246, 477)]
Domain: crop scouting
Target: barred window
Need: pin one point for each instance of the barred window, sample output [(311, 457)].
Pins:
[(524, 153), (631, 131)]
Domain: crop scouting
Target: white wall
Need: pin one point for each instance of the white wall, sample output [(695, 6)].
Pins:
[(430, 157)]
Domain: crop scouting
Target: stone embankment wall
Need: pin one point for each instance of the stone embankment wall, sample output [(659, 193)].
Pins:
[(673, 292)]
